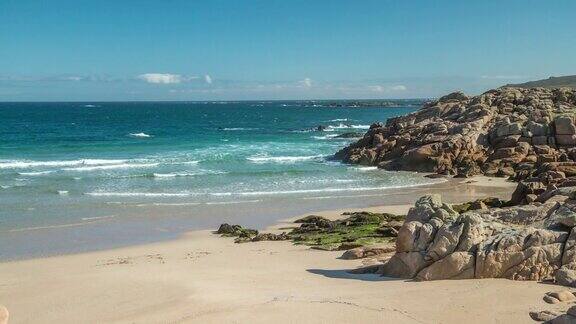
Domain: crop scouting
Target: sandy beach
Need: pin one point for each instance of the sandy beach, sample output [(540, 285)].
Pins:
[(287, 162), (204, 278)]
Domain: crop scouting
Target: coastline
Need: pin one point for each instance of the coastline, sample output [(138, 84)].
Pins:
[(150, 223), (201, 277)]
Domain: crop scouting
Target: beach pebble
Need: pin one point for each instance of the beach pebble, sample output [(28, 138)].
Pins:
[(543, 316), (3, 315), (562, 295), (551, 300), (353, 254)]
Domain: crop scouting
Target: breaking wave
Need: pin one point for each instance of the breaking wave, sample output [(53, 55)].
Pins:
[(112, 167), (24, 164), (283, 159), (141, 135)]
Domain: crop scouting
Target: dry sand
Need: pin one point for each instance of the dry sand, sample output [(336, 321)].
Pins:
[(203, 278)]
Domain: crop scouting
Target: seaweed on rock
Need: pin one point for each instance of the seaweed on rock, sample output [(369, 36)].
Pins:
[(357, 229)]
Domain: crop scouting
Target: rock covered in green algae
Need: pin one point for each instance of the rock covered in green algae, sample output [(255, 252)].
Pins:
[(242, 234), (312, 223), (311, 219), (248, 235), (271, 237), (356, 230)]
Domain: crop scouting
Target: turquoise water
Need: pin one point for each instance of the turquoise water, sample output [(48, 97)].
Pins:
[(66, 165)]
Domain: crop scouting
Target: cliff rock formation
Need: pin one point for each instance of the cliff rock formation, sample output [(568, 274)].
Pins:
[(514, 132)]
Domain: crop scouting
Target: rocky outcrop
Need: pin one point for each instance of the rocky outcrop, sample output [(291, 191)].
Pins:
[(522, 133), (526, 242)]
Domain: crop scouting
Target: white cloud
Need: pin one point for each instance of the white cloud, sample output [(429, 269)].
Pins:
[(160, 78), (307, 82), (208, 79), (73, 78), (60, 78), (379, 88), (398, 88)]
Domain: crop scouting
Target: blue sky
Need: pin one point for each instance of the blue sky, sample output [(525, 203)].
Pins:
[(277, 49)]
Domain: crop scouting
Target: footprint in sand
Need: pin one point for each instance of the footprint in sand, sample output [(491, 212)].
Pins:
[(159, 258), (196, 255), (115, 261), (156, 257)]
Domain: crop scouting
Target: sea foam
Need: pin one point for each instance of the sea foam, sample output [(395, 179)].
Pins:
[(35, 173), (238, 128), (137, 194), (308, 191), (140, 135), (326, 137), (364, 168), (23, 164), (186, 174), (346, 126), (112, 167), (283, 159)]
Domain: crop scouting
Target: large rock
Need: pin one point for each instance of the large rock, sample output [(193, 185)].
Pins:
[(526, 254), (565, 277), (404, 265), (566, 140), (492, 134), (458, 265), (564, 215), (454, 96), (526, 242), (569, 256), (564, 125)]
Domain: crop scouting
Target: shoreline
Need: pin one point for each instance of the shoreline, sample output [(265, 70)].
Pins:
[(159, 220), (204, 278)]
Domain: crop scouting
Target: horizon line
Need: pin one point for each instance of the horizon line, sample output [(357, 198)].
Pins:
[(210, 101)]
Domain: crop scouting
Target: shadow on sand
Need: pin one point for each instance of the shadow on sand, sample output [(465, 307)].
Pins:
[(345, 274)]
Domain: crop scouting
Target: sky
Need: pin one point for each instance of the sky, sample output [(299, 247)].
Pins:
[(115, 50)]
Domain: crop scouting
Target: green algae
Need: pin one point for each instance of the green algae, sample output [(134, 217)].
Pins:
[(355, 230)]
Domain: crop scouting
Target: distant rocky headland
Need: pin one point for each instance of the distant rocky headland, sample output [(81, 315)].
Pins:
[(364, 103), (568, 81)]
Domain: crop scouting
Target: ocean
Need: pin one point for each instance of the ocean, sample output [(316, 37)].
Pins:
[(83, 176)]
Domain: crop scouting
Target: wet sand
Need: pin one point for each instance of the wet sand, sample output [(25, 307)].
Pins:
[(127, 223)]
